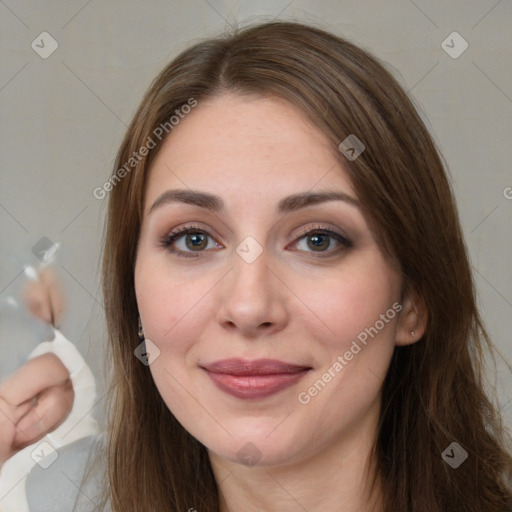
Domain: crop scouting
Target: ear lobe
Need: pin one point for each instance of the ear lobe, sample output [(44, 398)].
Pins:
[(412, 321)]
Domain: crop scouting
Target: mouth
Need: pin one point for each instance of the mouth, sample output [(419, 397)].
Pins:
[(254, 379)]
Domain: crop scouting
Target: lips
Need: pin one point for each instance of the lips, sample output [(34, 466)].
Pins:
[(254, 379)]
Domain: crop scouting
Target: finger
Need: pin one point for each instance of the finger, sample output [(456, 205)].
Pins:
[(21, 410), (33, 377), (51, 410), (30, 431), (38, 301), (55, 293), (7, 430), (6, 410)]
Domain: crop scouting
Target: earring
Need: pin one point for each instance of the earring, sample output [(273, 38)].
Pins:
[(412, 333), (141, 331)]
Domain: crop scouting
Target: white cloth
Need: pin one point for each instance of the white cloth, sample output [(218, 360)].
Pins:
[(80, 423)]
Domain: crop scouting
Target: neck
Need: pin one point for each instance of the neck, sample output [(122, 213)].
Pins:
[(337, 479)]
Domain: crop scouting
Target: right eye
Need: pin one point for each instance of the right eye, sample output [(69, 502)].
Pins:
[(189, 240)]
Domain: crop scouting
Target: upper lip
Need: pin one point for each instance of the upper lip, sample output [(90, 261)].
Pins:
[(244, 367)]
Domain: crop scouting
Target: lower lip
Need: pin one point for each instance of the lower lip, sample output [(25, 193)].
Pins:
[(255, 386)]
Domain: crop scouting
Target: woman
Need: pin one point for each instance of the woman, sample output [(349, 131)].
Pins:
[(282, 234)]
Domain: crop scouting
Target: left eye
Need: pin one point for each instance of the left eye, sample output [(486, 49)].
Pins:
[(320, 241)]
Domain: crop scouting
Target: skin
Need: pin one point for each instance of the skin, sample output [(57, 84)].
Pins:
[(34, 400), (290, 304), (44, 297), (38, 397)]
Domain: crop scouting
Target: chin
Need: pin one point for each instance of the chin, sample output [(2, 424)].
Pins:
[(263, 446), (256, 453)]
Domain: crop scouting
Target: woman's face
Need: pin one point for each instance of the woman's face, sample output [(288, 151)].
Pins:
[(276, 315)]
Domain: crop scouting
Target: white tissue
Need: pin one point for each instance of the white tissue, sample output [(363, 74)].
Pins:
[(80, 423)]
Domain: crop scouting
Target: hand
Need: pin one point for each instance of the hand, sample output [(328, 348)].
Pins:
[(34, 401)]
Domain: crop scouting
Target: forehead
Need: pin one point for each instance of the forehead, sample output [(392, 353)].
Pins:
[(235, 143)]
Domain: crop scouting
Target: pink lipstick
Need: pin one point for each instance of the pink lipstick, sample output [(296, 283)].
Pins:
[(254, 379)]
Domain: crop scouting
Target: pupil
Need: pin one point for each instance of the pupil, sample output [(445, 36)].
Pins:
[(319, 242), (196, 241)]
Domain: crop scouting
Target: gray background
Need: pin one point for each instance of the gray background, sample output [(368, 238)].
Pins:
[(63, 119)]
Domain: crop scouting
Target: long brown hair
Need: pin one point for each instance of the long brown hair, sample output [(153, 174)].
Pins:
[(433, 394)]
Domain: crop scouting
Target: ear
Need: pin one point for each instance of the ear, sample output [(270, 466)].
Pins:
[(413, 318)]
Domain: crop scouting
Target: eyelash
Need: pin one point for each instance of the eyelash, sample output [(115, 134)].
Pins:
[(172, 237)]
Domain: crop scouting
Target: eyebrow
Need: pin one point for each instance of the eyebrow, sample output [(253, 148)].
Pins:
[(216, 204)]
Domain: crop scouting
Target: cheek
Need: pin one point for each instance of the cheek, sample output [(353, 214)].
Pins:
[(359, 310), (348, 303), (168, 302), (352, 359), (172, 314)]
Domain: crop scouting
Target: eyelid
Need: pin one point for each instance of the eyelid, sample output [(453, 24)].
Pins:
[(324, 228), (181, 231)]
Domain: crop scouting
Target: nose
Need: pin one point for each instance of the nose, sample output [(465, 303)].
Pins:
[(254, 299)]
